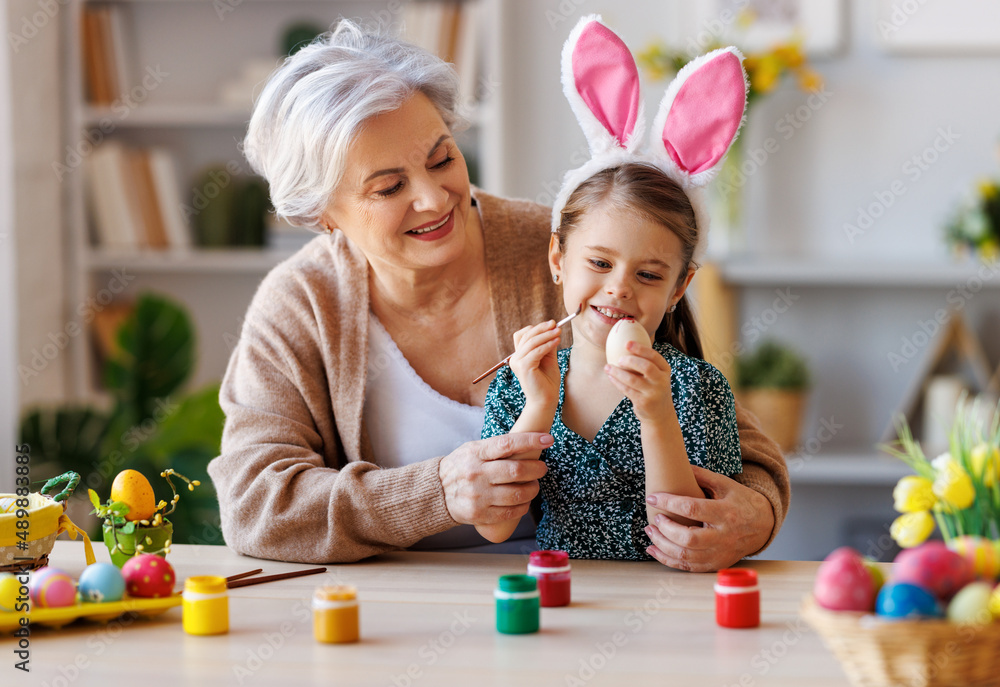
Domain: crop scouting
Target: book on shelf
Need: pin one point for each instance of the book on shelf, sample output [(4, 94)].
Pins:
[(134, 198), (105, 61), (450, 30)]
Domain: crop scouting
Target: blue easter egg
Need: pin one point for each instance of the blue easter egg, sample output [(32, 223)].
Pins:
[(905, 600), (100, 583)]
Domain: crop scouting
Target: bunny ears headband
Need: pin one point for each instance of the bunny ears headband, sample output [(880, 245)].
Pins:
[(696, 123)]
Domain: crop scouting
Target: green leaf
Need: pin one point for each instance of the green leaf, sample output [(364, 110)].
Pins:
[(119, 508), (156, 355), (94, 499), (127, 528)]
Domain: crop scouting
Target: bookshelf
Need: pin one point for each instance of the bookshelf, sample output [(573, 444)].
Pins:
[(190, 71)]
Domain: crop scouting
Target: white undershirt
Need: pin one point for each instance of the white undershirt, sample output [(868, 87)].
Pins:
[(409, 422)]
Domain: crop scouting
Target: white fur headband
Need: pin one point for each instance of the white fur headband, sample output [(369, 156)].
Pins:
[(697, 121)]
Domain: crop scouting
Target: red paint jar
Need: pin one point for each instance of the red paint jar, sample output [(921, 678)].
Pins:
[(551, 569), (737, 598)]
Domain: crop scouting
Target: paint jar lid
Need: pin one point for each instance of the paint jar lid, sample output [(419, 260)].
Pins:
[(517, 583), (737, 577), (205, 584), (549, 559), (336, 592)]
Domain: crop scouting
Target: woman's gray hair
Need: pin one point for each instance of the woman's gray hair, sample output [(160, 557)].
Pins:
[(313, 106)]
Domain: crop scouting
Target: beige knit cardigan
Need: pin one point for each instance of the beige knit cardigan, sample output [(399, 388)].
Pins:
[(297, 480)]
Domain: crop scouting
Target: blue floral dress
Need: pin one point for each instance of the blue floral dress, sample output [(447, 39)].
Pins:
[(593, 495)]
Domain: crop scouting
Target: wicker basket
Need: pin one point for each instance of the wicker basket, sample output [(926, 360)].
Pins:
[(875, 652), (45, 522)]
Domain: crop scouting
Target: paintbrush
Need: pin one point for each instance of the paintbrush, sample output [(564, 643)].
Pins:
[(506, 360)]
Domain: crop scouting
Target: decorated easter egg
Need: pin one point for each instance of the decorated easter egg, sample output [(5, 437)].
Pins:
[(51, 588), (101, 582), (933, 566), (905, 600), (980, 552), (994, 603), (625, 330), (843, 583), (133, 489), (10, 589), (148, 576), (971, 604)]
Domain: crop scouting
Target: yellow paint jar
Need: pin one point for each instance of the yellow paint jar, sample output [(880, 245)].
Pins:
[(206, 605), (335, 614)]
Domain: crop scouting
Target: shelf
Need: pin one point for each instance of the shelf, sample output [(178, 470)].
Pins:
[(854, 468), (810, 272), (166, 116), (208, 260)]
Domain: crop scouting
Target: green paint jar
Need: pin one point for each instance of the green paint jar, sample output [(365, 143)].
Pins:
[(517, 604)]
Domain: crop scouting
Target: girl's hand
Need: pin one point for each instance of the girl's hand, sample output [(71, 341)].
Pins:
[(644, 377), (535, 364)]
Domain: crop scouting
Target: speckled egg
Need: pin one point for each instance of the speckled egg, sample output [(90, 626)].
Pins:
[(971, 604), (148, 576), (10, 589), (51, 588), (843, 583), (101, 583), (935, 567), (981, 553), (904, 600)]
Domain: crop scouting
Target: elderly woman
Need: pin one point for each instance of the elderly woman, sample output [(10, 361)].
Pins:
[(352, 424)]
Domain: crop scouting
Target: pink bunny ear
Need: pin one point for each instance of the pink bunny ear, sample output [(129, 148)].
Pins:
[(702, 112), (601, 82)]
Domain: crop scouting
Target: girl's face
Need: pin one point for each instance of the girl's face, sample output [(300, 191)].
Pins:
[(405, 197), (618, 264)]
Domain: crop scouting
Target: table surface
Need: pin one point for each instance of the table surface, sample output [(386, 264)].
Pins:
[(428, 619)]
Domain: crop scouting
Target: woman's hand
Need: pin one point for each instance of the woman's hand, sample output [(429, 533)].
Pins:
[(644, 377), (737, 523), (535, 365), (487, 481)]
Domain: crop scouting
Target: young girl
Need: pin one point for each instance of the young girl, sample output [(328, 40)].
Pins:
[(628, 229)]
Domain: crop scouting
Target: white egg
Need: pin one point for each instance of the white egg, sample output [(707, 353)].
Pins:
[(625, 330)]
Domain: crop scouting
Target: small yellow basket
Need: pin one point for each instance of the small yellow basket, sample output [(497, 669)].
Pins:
[(28, 547), (876, 652)]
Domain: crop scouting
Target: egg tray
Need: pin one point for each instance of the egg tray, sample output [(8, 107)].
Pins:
[(100, 612), (879, 652)]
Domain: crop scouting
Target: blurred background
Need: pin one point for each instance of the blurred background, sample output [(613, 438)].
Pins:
[(852, 276)]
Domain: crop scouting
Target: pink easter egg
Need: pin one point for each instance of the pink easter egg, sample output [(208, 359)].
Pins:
[(843, 583), (935, 567), (979, 552), (148, 576), (51, 588)]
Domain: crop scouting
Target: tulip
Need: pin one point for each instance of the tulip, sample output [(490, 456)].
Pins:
[(953, 485), (985, 460), (913, 494), (912, 529)]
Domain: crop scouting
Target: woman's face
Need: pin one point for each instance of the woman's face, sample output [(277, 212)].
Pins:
[(405, 196), (618, 264)]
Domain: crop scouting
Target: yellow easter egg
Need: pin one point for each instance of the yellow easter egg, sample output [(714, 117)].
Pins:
[(10, 589), (133, 489)]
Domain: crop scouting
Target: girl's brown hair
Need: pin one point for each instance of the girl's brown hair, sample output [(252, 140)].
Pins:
[(642, 189)]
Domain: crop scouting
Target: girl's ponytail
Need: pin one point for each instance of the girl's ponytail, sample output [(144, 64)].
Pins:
[(679, 329)]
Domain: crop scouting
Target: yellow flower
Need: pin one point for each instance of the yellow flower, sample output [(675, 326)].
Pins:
[(765, 74), (989, 250), (987, 189), (809, 80), (985, 461), (790, 54), (913, 494), (912, 529), (953, 485)]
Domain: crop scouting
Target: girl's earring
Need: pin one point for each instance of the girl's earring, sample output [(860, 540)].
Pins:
[(555, 278), (672, 308)]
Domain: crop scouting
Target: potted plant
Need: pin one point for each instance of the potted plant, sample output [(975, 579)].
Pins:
[(771, 383)]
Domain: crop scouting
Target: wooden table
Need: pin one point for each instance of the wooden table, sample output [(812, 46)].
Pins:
[(427, 619)]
